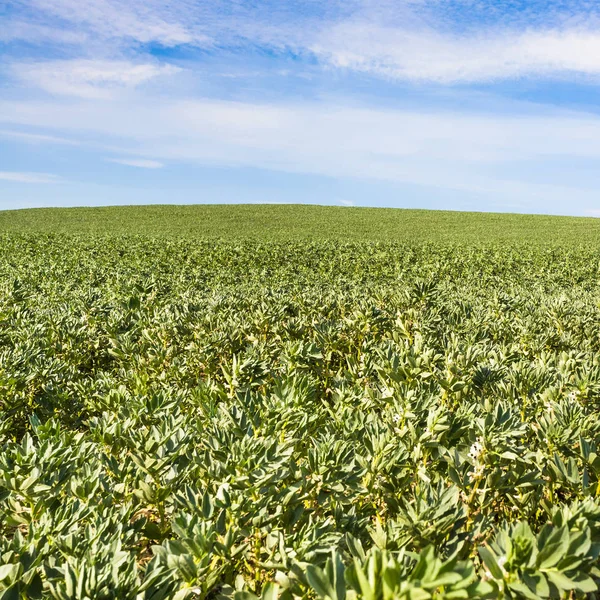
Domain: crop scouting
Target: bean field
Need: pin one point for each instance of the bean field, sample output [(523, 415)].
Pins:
[(213, 417)]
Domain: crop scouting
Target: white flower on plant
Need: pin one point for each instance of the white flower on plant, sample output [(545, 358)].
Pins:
[(476, 449), (477, 472)]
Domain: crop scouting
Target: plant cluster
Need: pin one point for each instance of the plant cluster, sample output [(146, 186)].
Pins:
[(242, 419)]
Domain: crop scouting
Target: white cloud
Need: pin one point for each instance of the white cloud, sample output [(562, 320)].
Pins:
[(88, 78), (113, 20), (26, 177), (346, 202), (37, 138), (195, 22), (428, 56), (479, 153), (22, 29), (408, 40), (141, 163)]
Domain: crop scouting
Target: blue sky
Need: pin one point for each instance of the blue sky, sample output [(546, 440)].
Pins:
[(454, 104)]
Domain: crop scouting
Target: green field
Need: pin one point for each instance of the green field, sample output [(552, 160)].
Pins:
[(219, 402), (284, 222)]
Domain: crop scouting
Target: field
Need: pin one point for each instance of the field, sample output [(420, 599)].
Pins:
[(299, 222), (298, 402)]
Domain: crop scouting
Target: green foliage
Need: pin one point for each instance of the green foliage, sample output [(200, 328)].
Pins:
[(294, 419), (272, 222)]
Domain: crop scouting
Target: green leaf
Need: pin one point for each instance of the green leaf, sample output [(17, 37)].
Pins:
[(523, 590), (207, 505), (319, 582), (365, 587), (11, 593), (270, 591), (584, 583), (245, 595), (10, 572), (554, 549), (35, 587), (561, 581), (537, 583), (489, 560)]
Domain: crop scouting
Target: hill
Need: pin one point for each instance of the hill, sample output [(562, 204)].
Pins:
[(281, 222)]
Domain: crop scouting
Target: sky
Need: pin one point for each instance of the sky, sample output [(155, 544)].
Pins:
[(448, 104)]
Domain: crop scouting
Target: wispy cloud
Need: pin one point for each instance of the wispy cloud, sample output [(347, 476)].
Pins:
[(37, 138), (414, 40), (89, 78), (461, 151), (109, 20), (140, 163), (429, 56), (20, 29), (25, 177)]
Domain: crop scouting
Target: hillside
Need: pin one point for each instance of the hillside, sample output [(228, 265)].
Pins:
[(281, 222)]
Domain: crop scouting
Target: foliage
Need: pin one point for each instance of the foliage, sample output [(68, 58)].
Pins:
[(263, 419), (282, 223)]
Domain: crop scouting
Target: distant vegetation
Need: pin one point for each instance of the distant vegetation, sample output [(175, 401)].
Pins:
[(215, 406), (283, 222)]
